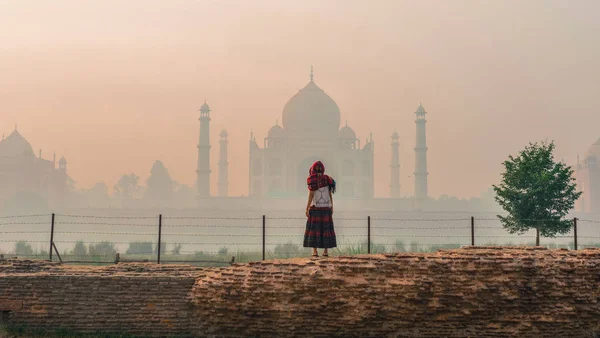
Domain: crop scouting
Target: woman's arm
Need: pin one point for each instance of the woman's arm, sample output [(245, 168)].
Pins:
[(331, 199), (311, 195)]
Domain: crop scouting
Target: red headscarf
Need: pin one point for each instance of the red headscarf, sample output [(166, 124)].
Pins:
[(317, 178)]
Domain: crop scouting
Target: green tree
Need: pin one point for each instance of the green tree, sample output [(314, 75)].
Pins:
[(136, 248), (176, 249), (127, 186), (163, 248), (22, 248), (287, 250), (103, 248), (536, 192), (80, 249)]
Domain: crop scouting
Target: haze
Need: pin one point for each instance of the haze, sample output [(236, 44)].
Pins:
[(115, 85)]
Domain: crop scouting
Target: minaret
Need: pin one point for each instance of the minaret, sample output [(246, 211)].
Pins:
[(395, 167), (421, 156), (223, 165), (62, 164), (61, 183), (203, 171)]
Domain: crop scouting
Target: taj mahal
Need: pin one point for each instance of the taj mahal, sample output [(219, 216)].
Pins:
[(311, 129)]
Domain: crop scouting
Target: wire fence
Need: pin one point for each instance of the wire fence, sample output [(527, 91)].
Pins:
[(221, 240)]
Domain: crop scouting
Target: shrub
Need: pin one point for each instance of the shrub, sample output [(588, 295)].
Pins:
[(102, 249), (22, 248), (136, 248), (176, 248), (399, 246), (80, 249), (287, 250)]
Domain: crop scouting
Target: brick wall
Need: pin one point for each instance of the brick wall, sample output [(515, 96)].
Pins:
[(134, 298), (471, 292)]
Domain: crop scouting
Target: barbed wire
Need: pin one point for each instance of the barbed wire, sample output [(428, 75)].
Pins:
[(506, 236), (213, 218), (108, 224), (499, 227), (108, 217), (456, 245), (375, 227), (254, 218), (197, 252), (424, 236), (304, 218), (251, 227), (92, 242), (24, 216), (524, 219), (211, 235), (421, 219), (302, 226), (209, 226), (25, 232), (121, 242), (24, 223), (21, 240), (105, 233)]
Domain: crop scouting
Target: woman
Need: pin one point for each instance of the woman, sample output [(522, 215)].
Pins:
[(319, 225)]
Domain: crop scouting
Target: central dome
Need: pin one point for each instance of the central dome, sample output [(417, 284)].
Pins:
[(15, 145), (311, 110), (594, 150)]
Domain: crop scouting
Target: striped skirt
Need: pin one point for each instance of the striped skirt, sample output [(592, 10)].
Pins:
[(319, 229)]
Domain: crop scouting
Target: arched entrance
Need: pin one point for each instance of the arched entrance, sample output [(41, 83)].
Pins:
[(302, 173)]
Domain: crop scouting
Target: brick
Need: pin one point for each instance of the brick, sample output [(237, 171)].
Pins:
[(473, 291)]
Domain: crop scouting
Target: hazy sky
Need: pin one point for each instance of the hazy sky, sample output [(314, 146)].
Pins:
[(115, 85)]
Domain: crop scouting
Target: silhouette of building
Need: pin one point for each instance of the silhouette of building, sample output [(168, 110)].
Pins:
[(421, 192), (588, 180), (395, 167), (310, 131), (203, 168), (223, 165), (22, 171)]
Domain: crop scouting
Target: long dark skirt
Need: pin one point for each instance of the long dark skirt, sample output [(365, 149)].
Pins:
[(319, 229)]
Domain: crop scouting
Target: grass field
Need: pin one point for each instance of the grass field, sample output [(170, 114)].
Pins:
[(105, 252)]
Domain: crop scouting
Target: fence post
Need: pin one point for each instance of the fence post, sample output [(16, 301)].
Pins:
[(472, 231), (51, 237), (263, 237), (575, 233), (537, 237), (368, 234), (159, 237)]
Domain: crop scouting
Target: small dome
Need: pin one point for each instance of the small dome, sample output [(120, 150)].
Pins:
[(205, 107), (594, 150), (420, 109), (311, 110), (223, 133), (276, 132), (395, 135), (347, 133), (15, 145)]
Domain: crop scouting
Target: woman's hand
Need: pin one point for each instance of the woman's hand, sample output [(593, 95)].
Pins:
[(307, 213)]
